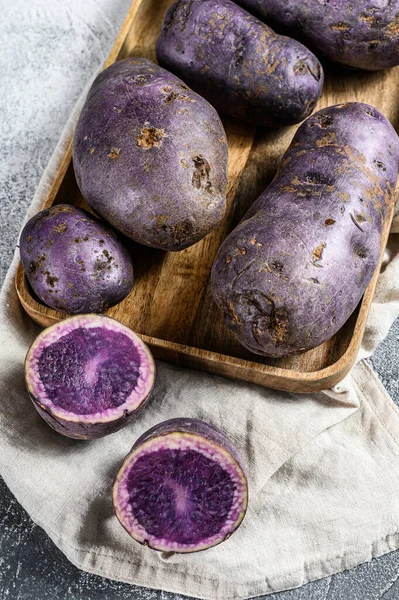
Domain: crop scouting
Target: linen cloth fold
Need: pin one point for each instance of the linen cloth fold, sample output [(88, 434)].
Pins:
[(323, 468)]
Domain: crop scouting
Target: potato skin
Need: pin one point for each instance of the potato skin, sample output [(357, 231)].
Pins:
[(74, 262), (362, 34), (290, 275), (196, 427), (239, 64), (150, 156)]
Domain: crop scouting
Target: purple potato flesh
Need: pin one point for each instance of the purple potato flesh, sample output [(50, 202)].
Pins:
[(88, 375), (239, 64), (181, 488), (150, 156), (291, 274), (74, 262), (362, 34)]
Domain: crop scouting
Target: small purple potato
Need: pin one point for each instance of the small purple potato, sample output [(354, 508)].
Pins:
[(182, 488), (88, 376), (239, 64), (150, 156), (290, 275), (363, 34), (74, 262)]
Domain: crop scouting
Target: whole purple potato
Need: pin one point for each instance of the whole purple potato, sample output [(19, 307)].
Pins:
[(182, 488), (88, 376), (150, 156), (290, 275), (362, 34), (239, 64), (74, 262)]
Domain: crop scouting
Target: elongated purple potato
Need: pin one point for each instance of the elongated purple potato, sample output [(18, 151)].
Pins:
[(290, 275), (74, 262), (239, 64), (182, 488), (363, 34), (150, 156), (88, 376)]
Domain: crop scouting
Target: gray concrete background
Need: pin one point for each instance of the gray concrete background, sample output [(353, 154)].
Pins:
[(48, 50)]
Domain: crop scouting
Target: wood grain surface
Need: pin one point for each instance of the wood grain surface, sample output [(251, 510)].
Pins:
[(171, 306)]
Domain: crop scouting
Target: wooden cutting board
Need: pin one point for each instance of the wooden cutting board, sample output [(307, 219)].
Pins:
[(171, 306)]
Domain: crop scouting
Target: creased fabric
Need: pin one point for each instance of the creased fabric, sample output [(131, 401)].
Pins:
[(323, 468)]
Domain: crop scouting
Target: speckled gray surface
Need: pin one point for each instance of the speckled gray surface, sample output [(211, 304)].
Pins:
[(49, 50)]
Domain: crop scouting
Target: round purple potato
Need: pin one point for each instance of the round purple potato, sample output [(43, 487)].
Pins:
[(150, 156), (74, 262), (88, 376), (362, 34), (182, 488), (239, 64), (290, 275)]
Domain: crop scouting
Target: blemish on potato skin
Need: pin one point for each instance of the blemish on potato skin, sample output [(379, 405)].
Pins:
[(171, 95), (38, 264), (343, 196), (108, 256), (55, 210), (51, 279), (162, 221), (340, 26), (202, 169), (317, 254), (393, 27), (323, 121), (150, 137), (361, 253), (355, 222), (114, 153), (328, 139), (61, 228), (182, 231), (277, 266), (141, 79)]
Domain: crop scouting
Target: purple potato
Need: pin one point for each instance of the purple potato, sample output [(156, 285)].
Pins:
[(362, 34), (88, 376), (291, 274), (182, 488), (150, 156), (74, 262), (239, 64)]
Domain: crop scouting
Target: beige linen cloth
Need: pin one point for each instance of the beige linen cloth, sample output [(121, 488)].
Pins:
[(323, 468)]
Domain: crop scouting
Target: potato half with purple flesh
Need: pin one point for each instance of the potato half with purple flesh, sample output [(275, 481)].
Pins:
[(239, 64), (150, 156), (74, 262), (88, 375), (291, 274), (182, 488)]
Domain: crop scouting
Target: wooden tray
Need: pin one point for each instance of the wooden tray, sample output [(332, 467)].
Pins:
[(170, 304)]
